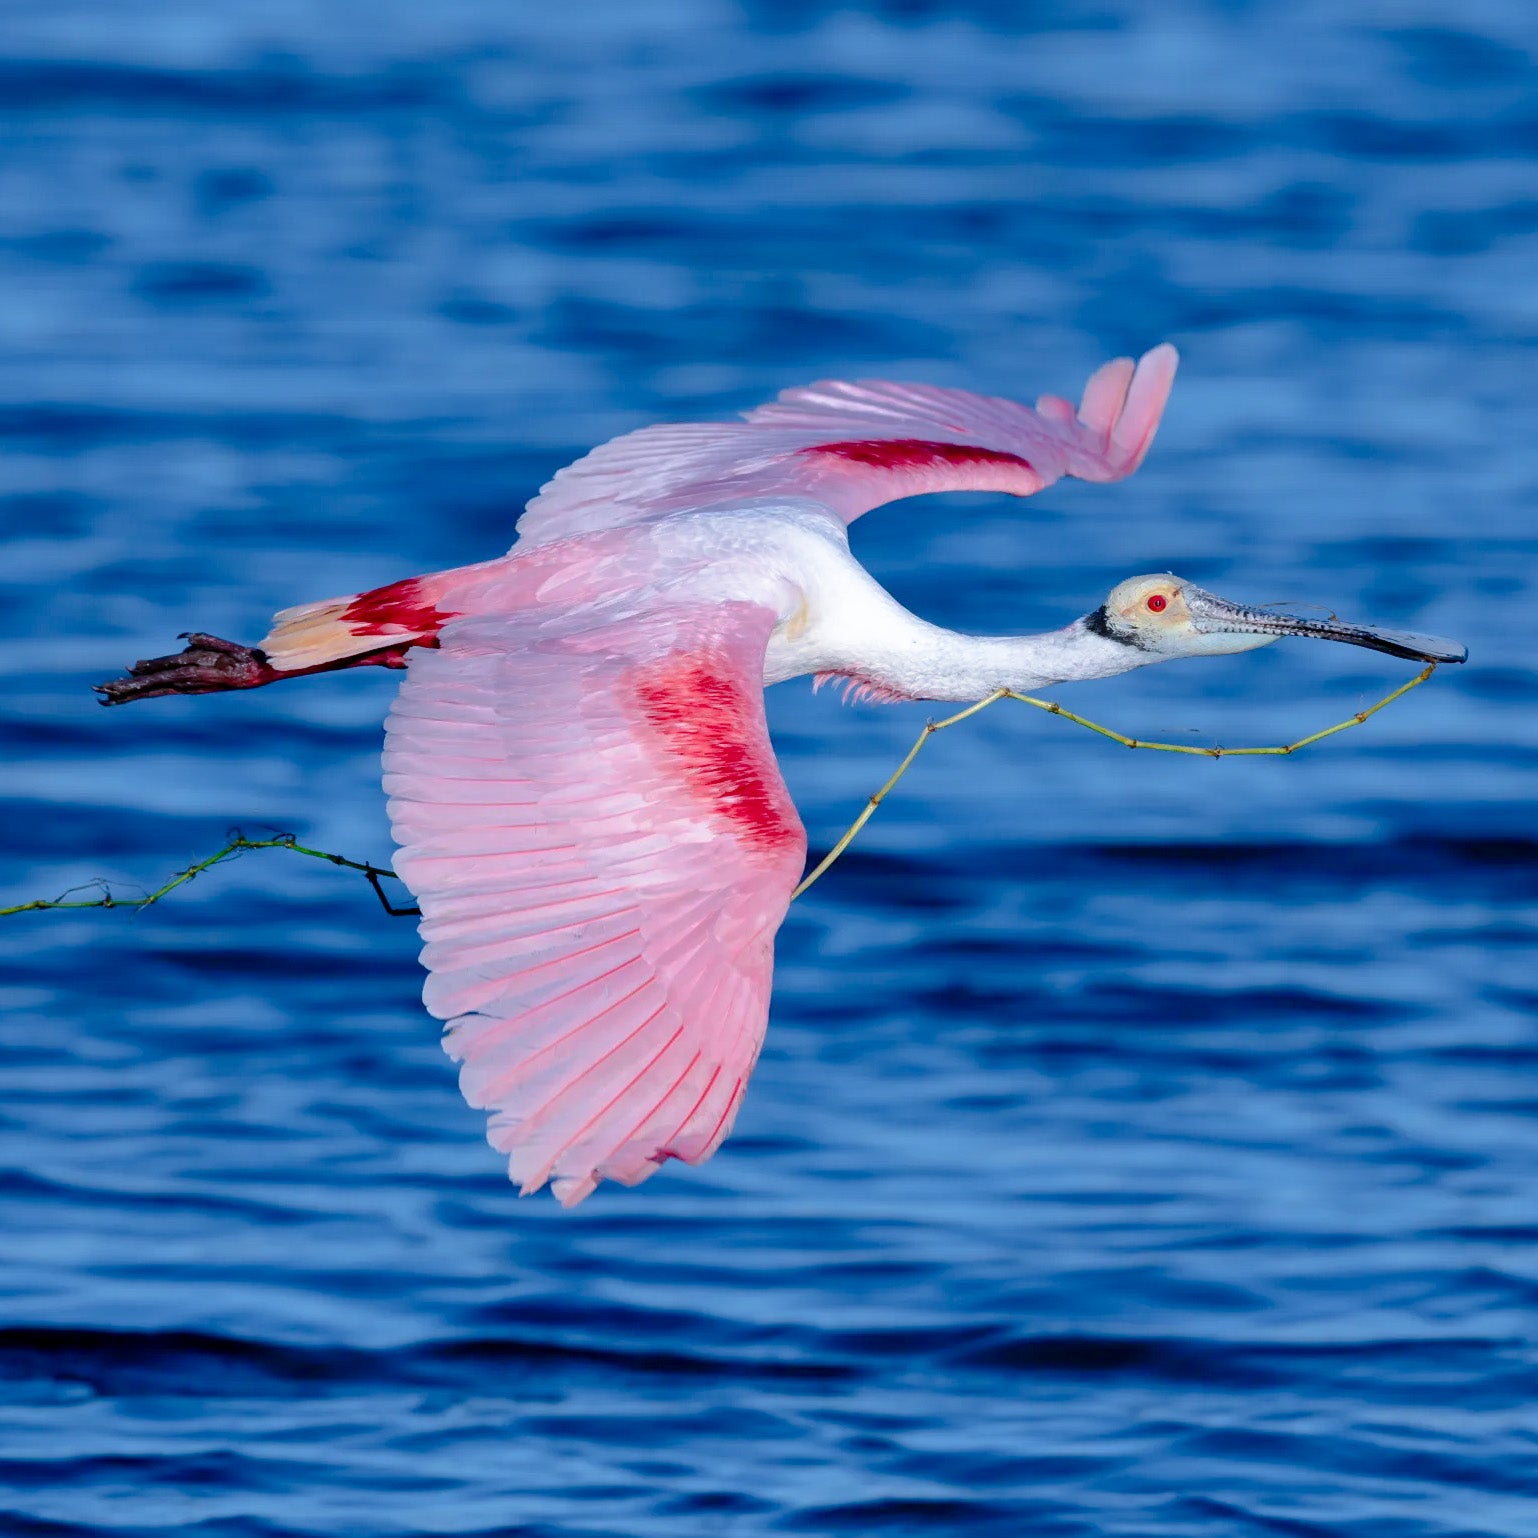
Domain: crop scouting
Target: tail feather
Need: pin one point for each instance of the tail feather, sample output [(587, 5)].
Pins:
[(313, 634)]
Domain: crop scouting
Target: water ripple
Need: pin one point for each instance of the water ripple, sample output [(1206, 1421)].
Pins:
[(1141, 1147)]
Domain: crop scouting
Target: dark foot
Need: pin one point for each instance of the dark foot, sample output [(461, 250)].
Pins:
[(206, 666), (210, 665)]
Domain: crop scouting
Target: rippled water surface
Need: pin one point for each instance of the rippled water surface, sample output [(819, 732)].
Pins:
[(1143, 1146)]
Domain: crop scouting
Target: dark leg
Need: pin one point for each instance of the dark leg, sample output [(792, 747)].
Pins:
[(208, 665)]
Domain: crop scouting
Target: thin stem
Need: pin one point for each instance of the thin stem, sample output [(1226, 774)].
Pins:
[(1053, 709), (870, 806), (374, 874), (238, 844), (1181, 747)]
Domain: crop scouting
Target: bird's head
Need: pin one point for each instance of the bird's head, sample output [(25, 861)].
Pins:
[(1170, 618)]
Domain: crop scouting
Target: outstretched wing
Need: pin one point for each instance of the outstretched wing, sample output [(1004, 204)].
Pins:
[(595, 827), (854, 446)]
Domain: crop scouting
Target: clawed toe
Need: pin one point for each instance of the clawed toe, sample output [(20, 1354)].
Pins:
[(200, 641), (206, 665)]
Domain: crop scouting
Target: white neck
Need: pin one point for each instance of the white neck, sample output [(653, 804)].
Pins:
[(945, 665), (908, 657), (845, 623)]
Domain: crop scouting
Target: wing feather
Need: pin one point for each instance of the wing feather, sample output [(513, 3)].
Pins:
[(853, 445), (602, 847)]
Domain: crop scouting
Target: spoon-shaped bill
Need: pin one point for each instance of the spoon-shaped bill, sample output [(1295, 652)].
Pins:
[(1211, 614)]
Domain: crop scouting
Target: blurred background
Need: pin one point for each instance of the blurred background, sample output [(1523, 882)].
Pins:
[(1143, 1146)]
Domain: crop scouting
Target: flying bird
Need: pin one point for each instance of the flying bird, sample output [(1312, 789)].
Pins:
[(579, 773)]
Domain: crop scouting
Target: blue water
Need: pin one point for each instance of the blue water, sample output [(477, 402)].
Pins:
[(1143, 1146)]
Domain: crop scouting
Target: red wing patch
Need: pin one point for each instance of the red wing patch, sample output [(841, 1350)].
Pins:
[(401, 608), (916, 454), (708, 724)]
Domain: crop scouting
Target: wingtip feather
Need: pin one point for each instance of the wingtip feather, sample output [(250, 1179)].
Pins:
[(1147, 393), (1105, 394)]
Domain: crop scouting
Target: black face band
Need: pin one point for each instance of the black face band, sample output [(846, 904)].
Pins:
[(1098, 622)]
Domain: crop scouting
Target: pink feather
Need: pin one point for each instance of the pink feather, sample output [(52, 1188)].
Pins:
[(608, 1021), (824, 442)]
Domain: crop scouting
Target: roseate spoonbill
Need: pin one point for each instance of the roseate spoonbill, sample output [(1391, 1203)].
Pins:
[(580, 777)]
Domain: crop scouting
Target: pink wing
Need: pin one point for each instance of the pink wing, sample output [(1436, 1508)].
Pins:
[(854, 446), (595, 827)]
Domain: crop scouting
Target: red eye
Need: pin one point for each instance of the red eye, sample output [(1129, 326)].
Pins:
[(1158, 603)]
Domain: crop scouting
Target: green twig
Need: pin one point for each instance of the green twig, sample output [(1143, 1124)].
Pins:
[(238, 844), (374, 874), (1127, 742)]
